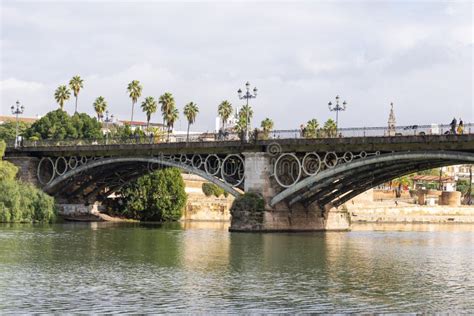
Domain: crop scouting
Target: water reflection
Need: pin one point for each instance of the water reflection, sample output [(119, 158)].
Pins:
[(198, 267)]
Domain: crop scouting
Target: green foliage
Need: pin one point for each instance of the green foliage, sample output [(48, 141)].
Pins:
[(224, 111), (159, 196), (211, 189), (242, 120), (149, 107), (76, 84), (22, 202), (267, 126), (8, 129), (330, 128), (311, 130), (134, 89), (190, 111), (61, 95), (463, 186), (248, 202), (429, 172), (100, 105), (59, 125), (8, 170)]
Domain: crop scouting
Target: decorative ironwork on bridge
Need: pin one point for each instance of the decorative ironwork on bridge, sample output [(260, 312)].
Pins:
[(227, 168), (289, 168)]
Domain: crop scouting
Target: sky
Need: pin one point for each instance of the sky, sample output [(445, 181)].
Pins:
[(300, 55)]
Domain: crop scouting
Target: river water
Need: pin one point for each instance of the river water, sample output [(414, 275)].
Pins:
[(202, 268)]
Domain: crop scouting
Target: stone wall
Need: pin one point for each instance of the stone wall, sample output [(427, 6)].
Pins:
[(412, 214), (27, 167), (199, 207)]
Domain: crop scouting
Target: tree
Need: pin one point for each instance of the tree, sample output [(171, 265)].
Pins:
[(267, 126), (311, 129), (167, 105), (158, 196), (134, 89), (149, 107), (59, 125), (76, 84), (243, 119), (190, 111), (21, 202), (171, 118), (7, 169), (224, 111), (330, 128), (61, 95), (8, 130), (100, 105)]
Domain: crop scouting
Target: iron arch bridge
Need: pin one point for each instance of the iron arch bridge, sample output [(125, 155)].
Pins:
[(93, 178), (335, 178), (285, 171)]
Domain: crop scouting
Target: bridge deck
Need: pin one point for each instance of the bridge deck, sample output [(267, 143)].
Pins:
[(382, 144)]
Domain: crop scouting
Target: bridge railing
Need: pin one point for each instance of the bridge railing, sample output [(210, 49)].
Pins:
[(410, 130)]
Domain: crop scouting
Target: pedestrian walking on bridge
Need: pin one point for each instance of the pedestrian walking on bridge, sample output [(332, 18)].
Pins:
[(460, 128), (453, 126)]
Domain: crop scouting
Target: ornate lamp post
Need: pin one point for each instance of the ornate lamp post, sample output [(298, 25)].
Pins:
[(17, 110), (337, 108), (247, 96), (107, 120)]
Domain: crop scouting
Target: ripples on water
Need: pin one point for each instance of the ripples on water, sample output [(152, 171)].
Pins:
[(200, 268)]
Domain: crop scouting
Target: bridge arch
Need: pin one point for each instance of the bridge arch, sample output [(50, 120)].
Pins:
[(347, 180), (111, 163)]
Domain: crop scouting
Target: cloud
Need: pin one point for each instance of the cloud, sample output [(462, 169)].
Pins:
[(299, 55)]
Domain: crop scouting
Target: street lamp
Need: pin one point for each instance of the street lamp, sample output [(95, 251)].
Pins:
[(107, 120), (337, 108), (17, 111), (247, 96)]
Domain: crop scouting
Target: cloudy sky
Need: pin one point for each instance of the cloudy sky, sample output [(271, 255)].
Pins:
[(418, 55)]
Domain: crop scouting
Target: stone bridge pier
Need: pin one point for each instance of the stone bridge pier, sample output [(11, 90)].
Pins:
[(281, 217)]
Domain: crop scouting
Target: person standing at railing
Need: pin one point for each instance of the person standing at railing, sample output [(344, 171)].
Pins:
[(453, 126), (460, 128)]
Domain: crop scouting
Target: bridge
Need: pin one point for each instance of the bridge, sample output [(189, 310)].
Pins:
[(304, 182)]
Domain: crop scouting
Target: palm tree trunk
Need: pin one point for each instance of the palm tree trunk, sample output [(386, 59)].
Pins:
[(75, 109), (131, 119), (187, 135)]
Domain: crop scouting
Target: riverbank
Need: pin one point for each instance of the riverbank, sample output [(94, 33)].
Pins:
[(411, 213)]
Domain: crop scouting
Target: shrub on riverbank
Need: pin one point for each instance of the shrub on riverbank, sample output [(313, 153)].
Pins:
[(211, 189), (21, 202), (247, 211), (158, 196)]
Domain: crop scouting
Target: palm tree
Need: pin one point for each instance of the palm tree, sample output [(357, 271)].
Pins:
[(61, 95), (149, 107), (171, 118), (330, 128), (99, 107), (243, 120), (312, 129), (267, 126), (76, 83), (224, 111), (134, 89), (167, 105), (190, 111)]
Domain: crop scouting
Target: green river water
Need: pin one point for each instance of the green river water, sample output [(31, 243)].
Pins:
[(202, 268)]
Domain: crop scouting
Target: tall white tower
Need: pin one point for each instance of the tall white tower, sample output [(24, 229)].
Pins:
[(391, 122)]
